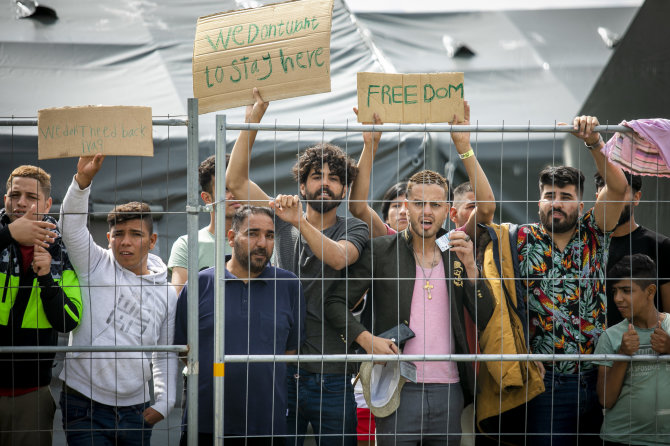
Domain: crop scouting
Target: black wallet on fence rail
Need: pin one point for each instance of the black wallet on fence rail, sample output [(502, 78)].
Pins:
[(398, 334)]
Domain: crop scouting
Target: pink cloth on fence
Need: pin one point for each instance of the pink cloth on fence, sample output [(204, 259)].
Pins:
[(644, 152)]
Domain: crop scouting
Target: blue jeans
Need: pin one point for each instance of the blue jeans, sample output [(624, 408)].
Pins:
[(568, 410), (324, 400), (87, 422)]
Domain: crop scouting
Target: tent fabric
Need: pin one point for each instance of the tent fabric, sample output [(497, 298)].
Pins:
[(139, 53)]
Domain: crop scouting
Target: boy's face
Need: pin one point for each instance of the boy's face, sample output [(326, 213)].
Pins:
[(631, 300), (131, 241), (24, 193)]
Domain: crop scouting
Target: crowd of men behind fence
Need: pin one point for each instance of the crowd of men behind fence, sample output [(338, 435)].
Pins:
[(299, 278)]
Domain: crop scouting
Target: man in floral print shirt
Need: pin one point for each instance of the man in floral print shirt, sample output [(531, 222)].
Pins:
[(561, 261)]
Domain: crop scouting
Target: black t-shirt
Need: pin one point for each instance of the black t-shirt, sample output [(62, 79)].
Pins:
[(640, 241)]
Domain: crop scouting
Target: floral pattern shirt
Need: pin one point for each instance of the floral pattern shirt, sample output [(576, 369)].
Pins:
[(565, 291)]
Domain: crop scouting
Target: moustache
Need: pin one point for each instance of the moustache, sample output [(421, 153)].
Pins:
[(259, 251)]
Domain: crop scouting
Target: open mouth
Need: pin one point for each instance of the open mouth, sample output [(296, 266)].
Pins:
[(426, 224)]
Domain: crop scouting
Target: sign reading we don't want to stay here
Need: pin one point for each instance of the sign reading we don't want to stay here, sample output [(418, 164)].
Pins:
[(410, 98), (283, 49), (85, 131)]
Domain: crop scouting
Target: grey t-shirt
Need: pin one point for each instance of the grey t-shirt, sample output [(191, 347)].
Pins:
[(294, 254)]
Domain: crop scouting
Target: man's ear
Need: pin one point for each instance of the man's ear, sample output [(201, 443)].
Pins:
[(109, 241), (48, 204), (581, 207), (231, 237), (152, 241), (636, 198), (302, 190), (651, 290), (206, 197), (452, 213)]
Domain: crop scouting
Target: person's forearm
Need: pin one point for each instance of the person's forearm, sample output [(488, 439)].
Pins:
[(327, 250), (611, 388), (610, 200), (82, 249), (359, 188), (61, 311), (612, 174), (237, 172)]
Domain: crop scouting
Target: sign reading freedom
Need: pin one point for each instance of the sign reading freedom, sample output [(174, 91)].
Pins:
[(84, 131), (410, 98), (283, 49)]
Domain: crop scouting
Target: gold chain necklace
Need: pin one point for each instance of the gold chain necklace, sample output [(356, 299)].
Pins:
[(427, 286)]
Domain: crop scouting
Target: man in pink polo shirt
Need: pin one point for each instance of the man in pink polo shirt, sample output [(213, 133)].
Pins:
[(419, 280)]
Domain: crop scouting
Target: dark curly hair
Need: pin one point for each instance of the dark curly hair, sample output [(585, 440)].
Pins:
[(639, 268), (315, 157)]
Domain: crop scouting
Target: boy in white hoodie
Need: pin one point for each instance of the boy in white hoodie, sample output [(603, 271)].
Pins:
[(127, 301)]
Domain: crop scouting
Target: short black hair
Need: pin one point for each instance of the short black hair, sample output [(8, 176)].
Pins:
[(561, 176), (243, 213), (463, 189), (639, 268), (206, 172), (134, 210), (634, 181), (393, 192)]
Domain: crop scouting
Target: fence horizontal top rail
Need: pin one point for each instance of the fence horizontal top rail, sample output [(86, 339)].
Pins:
[(501, 128), (32, 122)]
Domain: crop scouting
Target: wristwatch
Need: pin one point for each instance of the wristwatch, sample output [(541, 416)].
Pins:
[(595, 144)]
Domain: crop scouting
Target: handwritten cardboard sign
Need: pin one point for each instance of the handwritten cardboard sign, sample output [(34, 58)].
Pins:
[(410, 98), (82, 131), (283, 49)]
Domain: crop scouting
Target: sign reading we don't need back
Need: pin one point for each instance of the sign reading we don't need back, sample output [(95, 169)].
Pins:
[(283, 49), (88, 130)]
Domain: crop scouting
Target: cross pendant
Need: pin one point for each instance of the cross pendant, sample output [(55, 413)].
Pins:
[(428, 287)]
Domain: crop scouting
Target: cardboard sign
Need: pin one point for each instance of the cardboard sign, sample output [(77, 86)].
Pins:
[(83, 131), (283, 49), (410, 98)]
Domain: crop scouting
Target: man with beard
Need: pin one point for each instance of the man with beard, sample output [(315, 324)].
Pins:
[(631, 238), (264, 314), (562, 263), (317, 245)]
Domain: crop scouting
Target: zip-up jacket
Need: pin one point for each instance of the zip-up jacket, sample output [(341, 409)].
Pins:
[(387, 270), (33, 309)]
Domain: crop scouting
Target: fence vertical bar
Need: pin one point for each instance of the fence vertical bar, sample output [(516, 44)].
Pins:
[(219, 286), (192, 163)]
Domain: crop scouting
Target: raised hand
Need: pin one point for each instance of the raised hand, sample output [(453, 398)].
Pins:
[(41, 261), (87, 168), (288, 208), (630, 342), (255, 112), (27, 230), (372, 138), (583, 126), (462, 139)]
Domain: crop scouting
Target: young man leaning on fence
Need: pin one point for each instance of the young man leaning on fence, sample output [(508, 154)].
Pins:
[(40, 297), (128, 302), (562, 262), (264, 315), (317, 246)]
